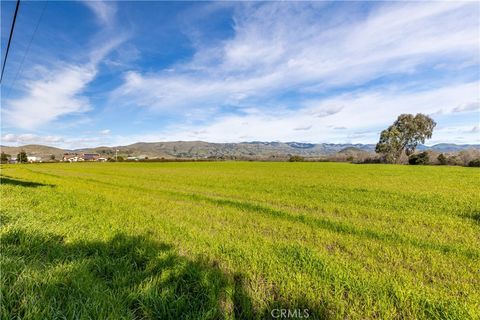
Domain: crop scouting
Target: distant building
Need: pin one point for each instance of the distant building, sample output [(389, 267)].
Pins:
[(75, 157), (33, 159), (90, 156), (70, 157)]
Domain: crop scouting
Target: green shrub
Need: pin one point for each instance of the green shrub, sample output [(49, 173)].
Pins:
[(474, 163), (5, 157), (454, 160), (22, 157), (296, 159), (442, 159), (418, 158), (371, 160)]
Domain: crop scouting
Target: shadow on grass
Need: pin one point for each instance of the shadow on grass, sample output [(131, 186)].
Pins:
[(22, 183), (475, 216), (334, 226), (127, 277), (314, 221), (4, 218)]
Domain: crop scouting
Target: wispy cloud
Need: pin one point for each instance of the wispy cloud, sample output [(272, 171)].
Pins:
[(56, 89), (303, 128), (366, 112), (468, 106), (305, 71), (104, 11), (74, 142), (28, 138), (286, 47), (56, 93)]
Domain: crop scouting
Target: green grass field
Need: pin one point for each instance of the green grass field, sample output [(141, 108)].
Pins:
[(237, 240)]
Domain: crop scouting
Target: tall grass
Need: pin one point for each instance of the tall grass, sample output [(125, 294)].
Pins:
[(237, 240)]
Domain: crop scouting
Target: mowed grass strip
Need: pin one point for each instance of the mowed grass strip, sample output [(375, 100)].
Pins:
[(236, 240)]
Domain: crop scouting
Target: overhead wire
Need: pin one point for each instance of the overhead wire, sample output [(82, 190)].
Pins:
[(19, 71), (10, 39)]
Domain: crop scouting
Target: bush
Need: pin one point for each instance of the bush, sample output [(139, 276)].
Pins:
[(474, 163), (418, 158), (5, 157), (296, 159), (442, 159), (466, 156), (22, 157), (454, 160), (370, 160)]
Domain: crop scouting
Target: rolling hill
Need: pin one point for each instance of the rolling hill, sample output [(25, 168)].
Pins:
[(205, 150)]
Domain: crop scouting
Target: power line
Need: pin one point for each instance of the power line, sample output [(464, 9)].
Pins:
[(27, 50), (10, 39)]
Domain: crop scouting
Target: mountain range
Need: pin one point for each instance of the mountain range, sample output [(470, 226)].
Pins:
[(205, 150)]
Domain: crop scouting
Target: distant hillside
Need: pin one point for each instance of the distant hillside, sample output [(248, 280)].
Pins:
[(450, 147), (243, 150), (204, 150), (349, 150)]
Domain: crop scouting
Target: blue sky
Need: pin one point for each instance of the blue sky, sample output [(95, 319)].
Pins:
[(114, 73)]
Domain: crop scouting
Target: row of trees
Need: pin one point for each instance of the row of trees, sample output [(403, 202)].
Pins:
[(470, 158), (21, 157)]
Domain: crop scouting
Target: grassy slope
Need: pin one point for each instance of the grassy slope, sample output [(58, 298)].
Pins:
[(214, 240)]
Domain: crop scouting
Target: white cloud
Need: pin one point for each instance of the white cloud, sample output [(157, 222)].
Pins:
[(104, 11), (279, 47), (55, 94), (28, 138), (51, 140), (56, 89), (366, 114), (468, 106), (460, 134), (320, 110), (306, 128)]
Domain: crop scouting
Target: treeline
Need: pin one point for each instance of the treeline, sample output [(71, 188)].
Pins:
[(163, 160), (467, 158)]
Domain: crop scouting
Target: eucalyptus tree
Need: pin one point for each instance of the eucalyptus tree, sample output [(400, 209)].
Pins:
[(404, 135)]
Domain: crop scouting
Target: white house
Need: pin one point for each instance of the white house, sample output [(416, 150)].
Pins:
[(33, 159)]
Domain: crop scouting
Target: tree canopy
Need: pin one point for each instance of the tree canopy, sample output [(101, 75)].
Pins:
[(404, 135), (22, 157), (4, 157)]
